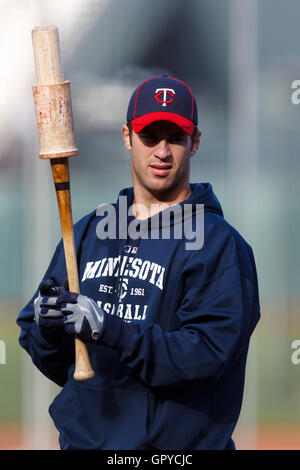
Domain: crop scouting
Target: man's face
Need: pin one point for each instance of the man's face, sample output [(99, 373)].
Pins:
[(160, 157)]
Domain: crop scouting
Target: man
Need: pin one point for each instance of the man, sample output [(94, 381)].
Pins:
[(167, 322)]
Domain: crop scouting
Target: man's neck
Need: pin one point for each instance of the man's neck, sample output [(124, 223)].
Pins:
[(147, 204)]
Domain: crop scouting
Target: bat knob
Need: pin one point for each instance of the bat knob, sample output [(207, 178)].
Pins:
[(84, 374), (83, 368)]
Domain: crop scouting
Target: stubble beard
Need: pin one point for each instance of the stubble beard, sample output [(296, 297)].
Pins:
[(163, 189)]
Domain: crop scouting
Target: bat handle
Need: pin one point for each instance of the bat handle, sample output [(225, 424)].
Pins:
[(60, 172)]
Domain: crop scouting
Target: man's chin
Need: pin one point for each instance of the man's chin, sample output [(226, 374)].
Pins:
[(160, 188)]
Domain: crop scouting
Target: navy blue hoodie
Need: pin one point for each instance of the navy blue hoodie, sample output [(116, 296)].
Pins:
[(170, 364)]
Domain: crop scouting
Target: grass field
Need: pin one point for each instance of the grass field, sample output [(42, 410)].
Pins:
[(10, 373)]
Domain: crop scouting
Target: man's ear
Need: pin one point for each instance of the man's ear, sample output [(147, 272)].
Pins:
[(196, 142), (126, 137)]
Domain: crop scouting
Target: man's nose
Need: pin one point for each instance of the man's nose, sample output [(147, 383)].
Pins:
[(162, 149)]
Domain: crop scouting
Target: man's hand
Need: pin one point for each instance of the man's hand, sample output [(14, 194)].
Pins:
[(82, 316), (47, 313)]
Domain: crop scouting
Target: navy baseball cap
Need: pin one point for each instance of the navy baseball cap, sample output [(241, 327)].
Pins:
[(163, 98)]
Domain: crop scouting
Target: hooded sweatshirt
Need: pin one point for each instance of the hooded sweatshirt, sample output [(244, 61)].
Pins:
[(170, 362)]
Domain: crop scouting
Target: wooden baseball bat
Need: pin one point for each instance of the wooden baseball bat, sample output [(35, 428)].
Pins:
[(56, 136)]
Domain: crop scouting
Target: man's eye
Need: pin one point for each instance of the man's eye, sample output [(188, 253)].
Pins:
[(148, 138), (178, 138)]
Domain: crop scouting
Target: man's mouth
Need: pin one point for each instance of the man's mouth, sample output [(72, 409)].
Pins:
[(161, 170)]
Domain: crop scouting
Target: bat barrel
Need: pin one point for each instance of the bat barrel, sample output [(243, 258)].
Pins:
[(52, 96)]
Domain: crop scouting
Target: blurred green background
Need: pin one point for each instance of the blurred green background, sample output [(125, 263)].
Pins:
[(240, 58)]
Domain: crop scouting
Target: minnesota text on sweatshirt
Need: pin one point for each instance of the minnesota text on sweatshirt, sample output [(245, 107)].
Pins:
[(170, 363)]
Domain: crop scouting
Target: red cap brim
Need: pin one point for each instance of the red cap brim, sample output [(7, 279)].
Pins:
[(139, 123)]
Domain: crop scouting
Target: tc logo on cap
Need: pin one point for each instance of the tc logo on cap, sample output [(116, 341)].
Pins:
[(164, 92)]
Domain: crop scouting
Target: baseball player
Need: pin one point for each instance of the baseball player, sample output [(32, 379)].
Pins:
[(166, 318)]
